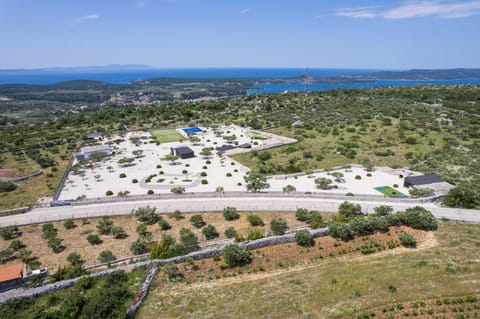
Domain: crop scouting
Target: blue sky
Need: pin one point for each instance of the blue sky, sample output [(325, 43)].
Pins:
[(240, 33)]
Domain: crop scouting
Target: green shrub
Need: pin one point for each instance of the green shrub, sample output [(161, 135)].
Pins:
[(16, 245), (197, 221), (230, 213), (407, 240), (340, 230), (358, 177), (94, 239), (109, 193), (230, 232), (348, 210), (177, 215), (122, 175), (106, 256), (8, 186), (210, 232), (278, 226), (419, 218), (177, 190), (203, 174), (150, 192), (255, 220), (74, 258), (164, 225), (147, 215), (118, 232), (49, 231), (315, 220), (188, 240), (10, 232), (302, 214), (69, 224), (254, 233), (105, 225), (235, 255), (139, 247), (204, 182), (134, 181), (304, 238)]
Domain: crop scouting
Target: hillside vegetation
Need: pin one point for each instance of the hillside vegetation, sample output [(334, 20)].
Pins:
[(380, 126)]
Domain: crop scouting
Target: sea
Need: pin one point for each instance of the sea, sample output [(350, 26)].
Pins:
[(52, 76)]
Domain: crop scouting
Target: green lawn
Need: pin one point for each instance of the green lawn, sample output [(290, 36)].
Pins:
[(390, 192), (167, 136)]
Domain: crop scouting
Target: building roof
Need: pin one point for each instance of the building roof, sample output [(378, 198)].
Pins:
[(11, 272), (423, 179), (183, 150), (95, 134), (95, 148), (224, 148)]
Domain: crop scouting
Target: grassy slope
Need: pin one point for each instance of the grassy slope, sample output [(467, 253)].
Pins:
[(335, 288), (326, 145)]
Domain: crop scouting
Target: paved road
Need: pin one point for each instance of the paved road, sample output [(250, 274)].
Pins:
[(40, 215)]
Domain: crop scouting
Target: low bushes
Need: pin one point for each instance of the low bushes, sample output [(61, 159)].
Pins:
[(235, 255), (304, 238), (255, 220), (415, 217), (230, 213)]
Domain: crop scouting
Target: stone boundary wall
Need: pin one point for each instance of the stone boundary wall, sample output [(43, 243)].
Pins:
[(196, 255), (21, 178), (64, 178), (323, 195), (143, 291), (14, 211)]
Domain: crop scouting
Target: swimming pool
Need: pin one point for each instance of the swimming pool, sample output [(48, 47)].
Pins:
[(191, 130)]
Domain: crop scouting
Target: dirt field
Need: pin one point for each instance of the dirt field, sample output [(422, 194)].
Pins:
[(75, 240)]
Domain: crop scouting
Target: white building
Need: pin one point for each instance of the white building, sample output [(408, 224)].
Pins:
[(87, 151)]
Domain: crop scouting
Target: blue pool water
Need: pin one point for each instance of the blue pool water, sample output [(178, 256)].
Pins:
[(191, 130)]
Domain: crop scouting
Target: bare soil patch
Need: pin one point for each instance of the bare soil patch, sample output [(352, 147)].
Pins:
[(75, 240)]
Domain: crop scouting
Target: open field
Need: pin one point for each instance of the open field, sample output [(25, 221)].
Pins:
[(75, 240), (339, 287), (167, 136), (31, 190), (448, 308)]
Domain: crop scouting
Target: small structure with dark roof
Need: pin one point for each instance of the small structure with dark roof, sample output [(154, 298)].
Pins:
[(413, 181), (428, 181), (245, 145), (222, 149), (183, 152), (95, 136)]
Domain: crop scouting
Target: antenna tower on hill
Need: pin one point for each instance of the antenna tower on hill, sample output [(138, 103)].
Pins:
[(306, 81)]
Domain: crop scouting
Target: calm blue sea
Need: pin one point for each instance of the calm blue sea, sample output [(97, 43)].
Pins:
[(277, 88), (124, 77)]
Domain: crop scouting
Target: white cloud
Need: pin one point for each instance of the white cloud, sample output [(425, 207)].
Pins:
[(89, 17), (415, 9), (140, 4), (82, 19), (245, 11)]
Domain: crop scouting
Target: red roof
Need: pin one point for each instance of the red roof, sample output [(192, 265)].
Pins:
[(11, 272)]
